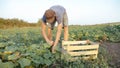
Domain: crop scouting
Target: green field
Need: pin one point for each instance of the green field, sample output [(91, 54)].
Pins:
[(26, 48)]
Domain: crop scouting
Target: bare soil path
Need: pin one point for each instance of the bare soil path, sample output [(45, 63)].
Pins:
[(113, 51)]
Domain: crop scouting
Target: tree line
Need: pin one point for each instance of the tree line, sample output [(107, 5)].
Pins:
[(15, 22)]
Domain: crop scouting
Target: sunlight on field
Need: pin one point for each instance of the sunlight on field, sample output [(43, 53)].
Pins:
[(25, 47)]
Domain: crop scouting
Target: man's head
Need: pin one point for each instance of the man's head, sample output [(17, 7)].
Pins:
[(50, 15)]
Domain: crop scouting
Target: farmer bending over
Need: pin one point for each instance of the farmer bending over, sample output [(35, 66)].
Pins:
[(55, 14)]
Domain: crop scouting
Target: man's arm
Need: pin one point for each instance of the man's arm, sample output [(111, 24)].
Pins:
[(43, 25), (49, 34), (66, 33), (59, 30)]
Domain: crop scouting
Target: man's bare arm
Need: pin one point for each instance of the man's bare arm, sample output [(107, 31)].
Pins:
[(44, 34), (49, 34), (66, 33), (59, 30)]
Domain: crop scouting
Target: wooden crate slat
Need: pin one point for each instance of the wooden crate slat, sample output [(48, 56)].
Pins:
[(85, 57), (83, 53), (90, 57), (82, 47), (73, 42)]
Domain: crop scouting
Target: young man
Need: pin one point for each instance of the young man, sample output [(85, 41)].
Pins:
[(55, 14)]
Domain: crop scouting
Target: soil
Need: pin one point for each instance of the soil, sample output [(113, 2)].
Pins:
[(113, 52)]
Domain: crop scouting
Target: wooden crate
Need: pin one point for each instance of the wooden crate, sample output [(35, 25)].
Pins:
[(81, 49)]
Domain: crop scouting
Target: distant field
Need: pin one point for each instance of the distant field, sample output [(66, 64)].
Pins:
[(25, 47)]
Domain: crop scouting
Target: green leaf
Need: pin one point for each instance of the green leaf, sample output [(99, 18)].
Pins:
[(47, 62), (34, 46), (13, 57), (82, 65), (11, 48), (2, 45), (7, 65), (46, 56), (24, 62), (41, 60), (0, 61), (46, 45)]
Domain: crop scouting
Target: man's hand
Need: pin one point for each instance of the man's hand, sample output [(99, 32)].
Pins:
[(51, 43), (53, 49)]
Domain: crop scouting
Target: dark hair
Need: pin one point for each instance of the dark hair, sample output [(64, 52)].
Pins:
[(49, 14)]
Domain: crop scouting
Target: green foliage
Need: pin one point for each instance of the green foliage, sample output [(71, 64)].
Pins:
[(113, 32), (24, 62), (95, 33), (25, 47), (6, 64)]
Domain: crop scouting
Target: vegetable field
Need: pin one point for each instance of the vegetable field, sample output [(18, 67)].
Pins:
[(26, 48)]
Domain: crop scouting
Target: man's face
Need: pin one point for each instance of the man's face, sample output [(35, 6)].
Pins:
[(50, 16), (51, 20)]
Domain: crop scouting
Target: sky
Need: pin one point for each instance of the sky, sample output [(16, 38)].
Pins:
[(80, 12)]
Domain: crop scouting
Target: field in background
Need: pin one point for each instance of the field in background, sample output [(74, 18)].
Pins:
[(25, 47)]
